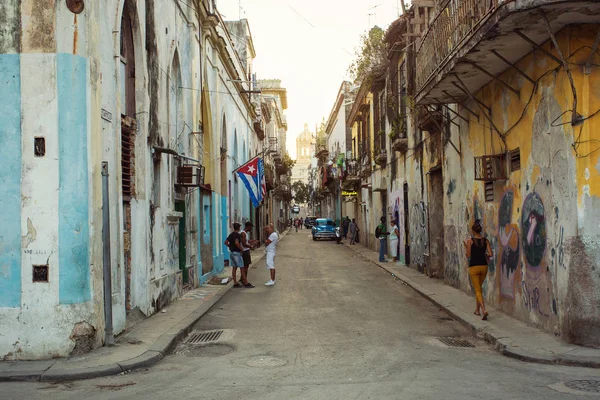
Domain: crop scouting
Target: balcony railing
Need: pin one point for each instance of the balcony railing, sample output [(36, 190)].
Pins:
[(454, 24)]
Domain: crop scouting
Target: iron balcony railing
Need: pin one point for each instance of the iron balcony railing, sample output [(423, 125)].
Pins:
[(452, 26)]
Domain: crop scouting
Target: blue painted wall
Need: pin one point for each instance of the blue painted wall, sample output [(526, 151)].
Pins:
[(73, 228), (224, 226), (10, 180)]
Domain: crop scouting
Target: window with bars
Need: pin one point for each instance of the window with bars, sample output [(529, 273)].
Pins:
[(489, 192), (127, 153), (490, 168), (515, 159)]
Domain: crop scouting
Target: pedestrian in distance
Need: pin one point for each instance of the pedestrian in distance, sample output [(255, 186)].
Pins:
[(353, 229), (345, 226), (382, 233), (479, 253), (247, 245), (394, 236), (296, 222), (270, 249), (234, 243)]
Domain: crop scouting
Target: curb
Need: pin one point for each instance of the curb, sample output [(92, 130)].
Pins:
[(498, 342), (161, 348)]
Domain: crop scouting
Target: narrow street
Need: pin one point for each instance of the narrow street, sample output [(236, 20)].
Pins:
[(342, 328)]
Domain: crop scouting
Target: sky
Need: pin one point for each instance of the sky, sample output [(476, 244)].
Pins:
[(309, 45)]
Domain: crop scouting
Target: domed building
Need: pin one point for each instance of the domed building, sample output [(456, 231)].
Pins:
[(304, 155)]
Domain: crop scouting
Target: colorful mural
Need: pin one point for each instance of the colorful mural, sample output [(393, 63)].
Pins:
[(396, 200), (509, 246)]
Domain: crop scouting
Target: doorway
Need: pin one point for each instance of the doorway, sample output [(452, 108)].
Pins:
[(436, 223), (180, 207)]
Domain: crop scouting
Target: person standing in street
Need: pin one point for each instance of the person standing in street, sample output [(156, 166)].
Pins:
[(345, 225), (247, 245), (382, 233), (394, 236), (353, 228), (270, 248), (233, 242), (479, 252)]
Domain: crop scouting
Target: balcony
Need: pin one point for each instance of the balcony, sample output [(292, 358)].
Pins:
[(352, 174), (471, 42)]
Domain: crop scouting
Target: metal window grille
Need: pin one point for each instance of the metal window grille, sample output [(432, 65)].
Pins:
[(515, 160), (489, 191), (490, 168)]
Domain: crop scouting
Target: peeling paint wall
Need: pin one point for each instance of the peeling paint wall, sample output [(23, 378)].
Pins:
[(64, 83), (543, 220)]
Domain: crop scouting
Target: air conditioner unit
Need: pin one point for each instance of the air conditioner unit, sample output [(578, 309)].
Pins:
[(190, 176)]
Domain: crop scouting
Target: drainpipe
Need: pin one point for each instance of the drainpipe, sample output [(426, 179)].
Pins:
[(109, 339)]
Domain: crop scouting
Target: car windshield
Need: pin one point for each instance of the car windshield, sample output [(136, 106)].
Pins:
[(323, 222)]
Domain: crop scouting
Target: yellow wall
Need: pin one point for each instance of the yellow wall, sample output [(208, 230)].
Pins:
[(544, 244)]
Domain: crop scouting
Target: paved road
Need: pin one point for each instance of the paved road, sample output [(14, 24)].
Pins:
[(343, 328)]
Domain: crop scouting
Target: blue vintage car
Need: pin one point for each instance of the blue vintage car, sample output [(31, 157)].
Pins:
[(323, 229)]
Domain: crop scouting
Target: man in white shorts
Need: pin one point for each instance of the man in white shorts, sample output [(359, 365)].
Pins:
[(271, 244)]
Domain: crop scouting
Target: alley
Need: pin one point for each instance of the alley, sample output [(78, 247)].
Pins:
[(338, 327)]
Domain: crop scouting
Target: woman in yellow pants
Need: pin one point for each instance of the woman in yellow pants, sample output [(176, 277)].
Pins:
[(478, 252)]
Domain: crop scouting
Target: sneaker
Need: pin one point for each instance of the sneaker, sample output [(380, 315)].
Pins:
[(270, 283), (249, 285)]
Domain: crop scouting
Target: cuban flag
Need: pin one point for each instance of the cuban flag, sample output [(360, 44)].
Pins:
[(252, 174)]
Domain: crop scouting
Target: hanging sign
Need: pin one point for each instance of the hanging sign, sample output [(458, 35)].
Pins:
[(346, 193)]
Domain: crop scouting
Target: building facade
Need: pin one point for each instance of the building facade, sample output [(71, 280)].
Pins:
[(122, 126), (499, 128)]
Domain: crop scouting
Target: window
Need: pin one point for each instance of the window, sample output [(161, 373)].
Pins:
[(489, 192), (127, 165), (127, 66), (40, 273), (515, 160), (39, 147), (156, 183)]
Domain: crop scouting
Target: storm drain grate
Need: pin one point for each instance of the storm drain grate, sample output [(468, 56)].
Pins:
[(454, 342), (589, 386), (207, 350), (203, 337)]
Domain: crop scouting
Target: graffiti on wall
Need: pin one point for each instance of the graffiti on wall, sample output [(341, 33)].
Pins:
[(397, 207), (535, 287), (419, 236), (509, 246)]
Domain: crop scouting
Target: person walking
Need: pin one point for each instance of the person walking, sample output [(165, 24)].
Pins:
[(394, 236), (353, 229), (345, 225), (382, 233), (270, 248), (233, 242), (296, 222), (479, 252), (247, 245)]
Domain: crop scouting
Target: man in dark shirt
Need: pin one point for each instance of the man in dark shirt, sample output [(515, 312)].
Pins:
[(234, 242), (345, 225)]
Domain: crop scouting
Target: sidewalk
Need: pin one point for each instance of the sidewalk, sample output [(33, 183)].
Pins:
[(510, 336), (145, 344)]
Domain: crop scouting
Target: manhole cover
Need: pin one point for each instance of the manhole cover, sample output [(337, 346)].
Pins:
[(207, 350), (454, 342), (203, 337), (584, 386), (266, 362)]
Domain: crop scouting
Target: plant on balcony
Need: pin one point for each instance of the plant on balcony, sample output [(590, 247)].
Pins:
[(371, 59)]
